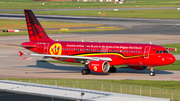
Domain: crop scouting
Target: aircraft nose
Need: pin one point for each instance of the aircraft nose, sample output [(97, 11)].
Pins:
[(170, 59), (173, 59)]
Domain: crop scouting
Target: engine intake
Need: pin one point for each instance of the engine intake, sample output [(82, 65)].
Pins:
[(99, 66)]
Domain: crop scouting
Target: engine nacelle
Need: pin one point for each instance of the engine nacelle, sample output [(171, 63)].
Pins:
[(99, 66), (138, 67)]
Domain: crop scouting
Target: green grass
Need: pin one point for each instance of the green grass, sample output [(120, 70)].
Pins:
[(176, 45), (153, 83), (163, 14), (29, 4), (21, 24), (119, 86), (158, 13), (60, 32), (174, 66)]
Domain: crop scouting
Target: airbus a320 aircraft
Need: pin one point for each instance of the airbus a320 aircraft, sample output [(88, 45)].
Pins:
[(99, 57)]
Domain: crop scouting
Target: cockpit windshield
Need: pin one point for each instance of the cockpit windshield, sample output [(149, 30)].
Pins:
[(157, 51), (165, 51), (161, 51)]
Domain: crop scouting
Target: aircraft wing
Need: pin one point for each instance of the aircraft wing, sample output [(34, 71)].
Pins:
[(74, 57)]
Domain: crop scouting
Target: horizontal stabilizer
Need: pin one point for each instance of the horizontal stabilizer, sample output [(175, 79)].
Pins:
[(23, 53), (21, 45)]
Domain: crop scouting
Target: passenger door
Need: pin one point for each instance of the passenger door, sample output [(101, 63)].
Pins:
[(146, 51), (46, 47)]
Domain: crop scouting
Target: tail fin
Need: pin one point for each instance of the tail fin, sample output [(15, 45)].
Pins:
[(35, 30)]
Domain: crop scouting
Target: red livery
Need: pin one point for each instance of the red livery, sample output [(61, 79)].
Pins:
[(99, 57)]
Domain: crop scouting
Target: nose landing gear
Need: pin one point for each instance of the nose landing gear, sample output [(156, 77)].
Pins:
[(152, 73)]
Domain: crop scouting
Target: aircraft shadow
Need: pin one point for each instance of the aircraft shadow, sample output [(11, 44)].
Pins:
[(68, 69), (77, 69), (48, 65), (129, 70)]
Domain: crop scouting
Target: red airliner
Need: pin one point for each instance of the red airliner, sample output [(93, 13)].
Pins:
[(100, 57)]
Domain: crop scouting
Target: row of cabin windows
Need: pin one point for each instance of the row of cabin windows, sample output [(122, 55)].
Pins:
[(99, 50)]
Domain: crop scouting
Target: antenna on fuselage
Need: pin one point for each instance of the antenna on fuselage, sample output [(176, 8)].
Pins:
[(150, 42), (82, 40)]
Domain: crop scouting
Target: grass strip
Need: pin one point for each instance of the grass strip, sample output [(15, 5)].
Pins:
[(21, 24), (136, 87), (29, 4), (176, 45), (157, 13), (153, 83), (151, 88), (60, 32)]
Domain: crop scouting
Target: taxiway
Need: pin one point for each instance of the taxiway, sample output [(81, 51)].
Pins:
[(156, 31)]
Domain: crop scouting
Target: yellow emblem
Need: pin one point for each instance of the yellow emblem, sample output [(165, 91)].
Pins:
[(95, 68), (55, 49)]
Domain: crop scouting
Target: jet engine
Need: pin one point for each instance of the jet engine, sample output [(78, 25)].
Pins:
[(99, 66), (138, 67)]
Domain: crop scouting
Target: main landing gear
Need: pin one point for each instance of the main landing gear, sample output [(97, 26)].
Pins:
[(152, 73), (85, 71), (112, 69)]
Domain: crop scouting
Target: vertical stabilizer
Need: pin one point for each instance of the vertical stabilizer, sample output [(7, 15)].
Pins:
[(35, 30)]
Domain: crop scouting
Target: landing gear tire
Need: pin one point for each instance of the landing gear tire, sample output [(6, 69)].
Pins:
[(112, 69), (152, 73), (85, 71)]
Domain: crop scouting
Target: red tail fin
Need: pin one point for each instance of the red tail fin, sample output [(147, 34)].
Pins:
[(35, 30)]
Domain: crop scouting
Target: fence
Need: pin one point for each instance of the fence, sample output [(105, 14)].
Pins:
[(172, 94)]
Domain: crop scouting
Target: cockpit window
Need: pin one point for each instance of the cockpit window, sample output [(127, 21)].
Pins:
[(157, 52), (160, 51), (164, 51)]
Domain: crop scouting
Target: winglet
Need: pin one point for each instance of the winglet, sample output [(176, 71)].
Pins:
[(21, 53)]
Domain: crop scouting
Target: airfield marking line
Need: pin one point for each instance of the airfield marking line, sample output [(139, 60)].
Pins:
[(3, 56), (17, 47), (168, 27)]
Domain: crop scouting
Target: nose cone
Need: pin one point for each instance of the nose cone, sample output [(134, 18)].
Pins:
[(173, 59), (170, 59)]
